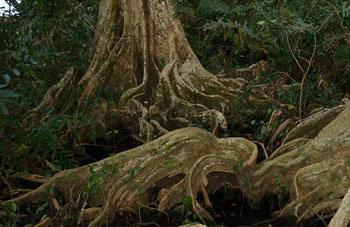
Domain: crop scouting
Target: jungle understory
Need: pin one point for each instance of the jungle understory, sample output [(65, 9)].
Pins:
[(156, 91)]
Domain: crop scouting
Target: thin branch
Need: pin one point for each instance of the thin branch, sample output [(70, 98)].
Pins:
[(287, 75), (322, 219), (338, 15), (325, 21), (30, 177), (305, 74), (295, 58)]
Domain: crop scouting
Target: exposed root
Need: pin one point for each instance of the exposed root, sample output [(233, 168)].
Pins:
[(46, 221), (342, 217), (56, 97), (315, 171), (283, 128), (18, 192), (30, 177), (145, 69), (37, 196), (191, 161), (176, 165), (289, 147), (311, 126), (326, 209), (90, 214), (146, 65)]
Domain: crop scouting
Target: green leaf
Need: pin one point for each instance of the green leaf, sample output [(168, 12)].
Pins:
[(240, 163), (269, 111), (132, 173), (94, 189), (138, 169), (125, 180), (8, 94), (13, 207), (141, 190), (292, 209), (6, 79), (16, 72), (41, 208), (279, 196), (50, 190), (346, 11), (331, 195), (264, 131), (33, 62), (235, 169), (3, 108), (187, 201)]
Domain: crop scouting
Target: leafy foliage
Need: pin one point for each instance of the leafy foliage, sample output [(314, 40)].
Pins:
[(5, 95), (230, 34), (40, 41), (43, 39)]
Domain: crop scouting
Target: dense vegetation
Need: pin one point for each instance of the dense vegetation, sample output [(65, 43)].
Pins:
[(306, 43), (232, 34)]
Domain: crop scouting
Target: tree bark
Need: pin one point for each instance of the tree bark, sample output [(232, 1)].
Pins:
[(342, 217), (187, 161), (165, 171), (144, 71)]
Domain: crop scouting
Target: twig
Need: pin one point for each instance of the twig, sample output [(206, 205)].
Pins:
[(30, 177), (305, 72), (81, 213), (287, 75), (295, 58), (325, 224), (338, 15), (264, 149), (17, 192), (51, 166), (45, 221), (55, 204), (325, 21)]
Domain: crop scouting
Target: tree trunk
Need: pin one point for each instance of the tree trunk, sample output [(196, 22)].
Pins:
[(145, 71)]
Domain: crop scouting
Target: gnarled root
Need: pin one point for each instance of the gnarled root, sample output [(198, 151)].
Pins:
[(342, 217), (145, 76), (189, 161), (180, 164), (314, 171)]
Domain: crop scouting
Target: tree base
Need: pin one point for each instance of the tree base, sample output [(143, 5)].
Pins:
[(184, 163)]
